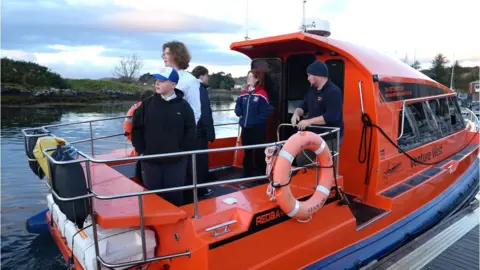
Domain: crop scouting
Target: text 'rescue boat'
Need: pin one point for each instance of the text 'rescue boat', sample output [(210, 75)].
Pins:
[(408, 158)]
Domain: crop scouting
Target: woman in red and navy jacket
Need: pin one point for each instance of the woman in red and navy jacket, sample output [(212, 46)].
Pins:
[(252, 107)]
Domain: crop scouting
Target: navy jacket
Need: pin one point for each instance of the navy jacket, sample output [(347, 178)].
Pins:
[(161, 126), (253, 107), (205, 126), (326, 102)]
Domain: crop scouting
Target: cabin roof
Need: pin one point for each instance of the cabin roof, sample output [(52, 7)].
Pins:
[(370, 61)]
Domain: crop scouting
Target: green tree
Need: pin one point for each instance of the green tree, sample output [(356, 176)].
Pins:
[(438, 71), (416, 65), (221, 80), (30, 74)]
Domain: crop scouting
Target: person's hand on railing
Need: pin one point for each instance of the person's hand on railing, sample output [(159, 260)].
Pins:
[(302, 125), (295, 119)]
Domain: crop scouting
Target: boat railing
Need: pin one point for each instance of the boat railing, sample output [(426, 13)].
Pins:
[(470, 115), (27, 132), (87, 159)]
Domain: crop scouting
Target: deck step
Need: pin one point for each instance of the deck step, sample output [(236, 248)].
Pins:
[(365, 214)]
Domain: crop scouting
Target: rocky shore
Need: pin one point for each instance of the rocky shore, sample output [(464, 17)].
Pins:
[(18, 96), (21, 96)]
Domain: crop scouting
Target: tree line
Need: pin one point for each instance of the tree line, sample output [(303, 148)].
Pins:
[(29, 74), (218, 80), (441, 72)]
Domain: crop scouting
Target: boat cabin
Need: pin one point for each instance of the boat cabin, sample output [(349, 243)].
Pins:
[(412, 109)]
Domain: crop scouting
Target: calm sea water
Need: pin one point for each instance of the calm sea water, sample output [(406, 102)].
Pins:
[(23, 194)]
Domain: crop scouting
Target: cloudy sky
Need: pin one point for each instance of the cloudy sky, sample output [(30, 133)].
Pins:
[(85, 38)]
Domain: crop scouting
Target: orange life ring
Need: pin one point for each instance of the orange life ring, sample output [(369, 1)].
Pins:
[(282, 174), (127, 123)]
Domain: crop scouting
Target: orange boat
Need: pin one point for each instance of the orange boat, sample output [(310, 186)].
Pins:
[(408, 159)]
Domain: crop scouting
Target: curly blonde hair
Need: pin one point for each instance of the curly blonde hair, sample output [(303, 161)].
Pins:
[(179, 52)]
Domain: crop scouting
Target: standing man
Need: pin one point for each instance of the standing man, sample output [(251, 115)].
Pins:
[(323, 104), (176, 55), (205, 128)]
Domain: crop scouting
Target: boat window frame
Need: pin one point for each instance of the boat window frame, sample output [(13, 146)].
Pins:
[(433, 121)]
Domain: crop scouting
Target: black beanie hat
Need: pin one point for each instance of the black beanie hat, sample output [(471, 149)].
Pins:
[(318, 68)]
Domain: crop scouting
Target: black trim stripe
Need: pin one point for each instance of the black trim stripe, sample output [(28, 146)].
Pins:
[(254, 228), (425, 175), (395, 191), (395, 91)]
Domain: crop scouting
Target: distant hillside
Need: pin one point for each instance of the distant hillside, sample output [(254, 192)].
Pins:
[(30, 74), (27, 83)]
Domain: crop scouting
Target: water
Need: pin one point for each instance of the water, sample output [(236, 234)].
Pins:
[(23, 194)]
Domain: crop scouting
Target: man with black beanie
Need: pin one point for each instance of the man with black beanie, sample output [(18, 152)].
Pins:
[(322, 103)]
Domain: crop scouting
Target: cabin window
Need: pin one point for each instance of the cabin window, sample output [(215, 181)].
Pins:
[(456, 118), (429, 120), (410, 132), (441, 113)]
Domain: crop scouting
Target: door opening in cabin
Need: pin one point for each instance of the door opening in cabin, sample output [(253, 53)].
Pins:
[(272, 67)]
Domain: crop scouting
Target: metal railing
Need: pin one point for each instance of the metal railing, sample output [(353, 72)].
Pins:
[(335, 152), (469, 115), (195, 186), (92, 139)]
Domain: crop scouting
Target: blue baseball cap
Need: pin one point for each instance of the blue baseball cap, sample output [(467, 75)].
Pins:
[(167, 74)]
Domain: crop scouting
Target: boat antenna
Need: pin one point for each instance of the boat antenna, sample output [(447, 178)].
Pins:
[(304, 27), (453, 71), (246, 23)]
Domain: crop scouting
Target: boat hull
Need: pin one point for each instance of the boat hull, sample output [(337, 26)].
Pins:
[(398, 233)]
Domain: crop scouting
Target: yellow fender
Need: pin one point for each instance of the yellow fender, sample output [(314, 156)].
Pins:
[(42, 144)]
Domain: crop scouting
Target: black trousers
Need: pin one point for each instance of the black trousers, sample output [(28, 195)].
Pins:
[(202, 168), (254, 159), (166, 175)]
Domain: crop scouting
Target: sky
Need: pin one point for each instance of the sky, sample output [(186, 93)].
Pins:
[(86, 38)]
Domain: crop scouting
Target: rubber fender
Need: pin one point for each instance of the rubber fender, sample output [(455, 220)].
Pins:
[(68, 180)]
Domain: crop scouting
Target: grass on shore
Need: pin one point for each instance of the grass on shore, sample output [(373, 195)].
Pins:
[(86, 85)]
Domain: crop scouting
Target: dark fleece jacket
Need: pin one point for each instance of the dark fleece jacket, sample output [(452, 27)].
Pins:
[(161, 126)]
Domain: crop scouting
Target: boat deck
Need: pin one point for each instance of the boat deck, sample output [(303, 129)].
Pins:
[(452, 244)]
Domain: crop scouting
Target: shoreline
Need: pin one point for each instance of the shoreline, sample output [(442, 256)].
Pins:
[(13, 101)]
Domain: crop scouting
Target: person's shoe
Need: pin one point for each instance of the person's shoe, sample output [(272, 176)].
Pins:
[(206, 192)]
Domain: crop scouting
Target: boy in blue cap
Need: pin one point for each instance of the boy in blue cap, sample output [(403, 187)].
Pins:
[(164, 123)]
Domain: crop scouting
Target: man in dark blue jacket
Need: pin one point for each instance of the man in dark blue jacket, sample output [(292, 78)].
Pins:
[(205, 128), (323, 105)]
